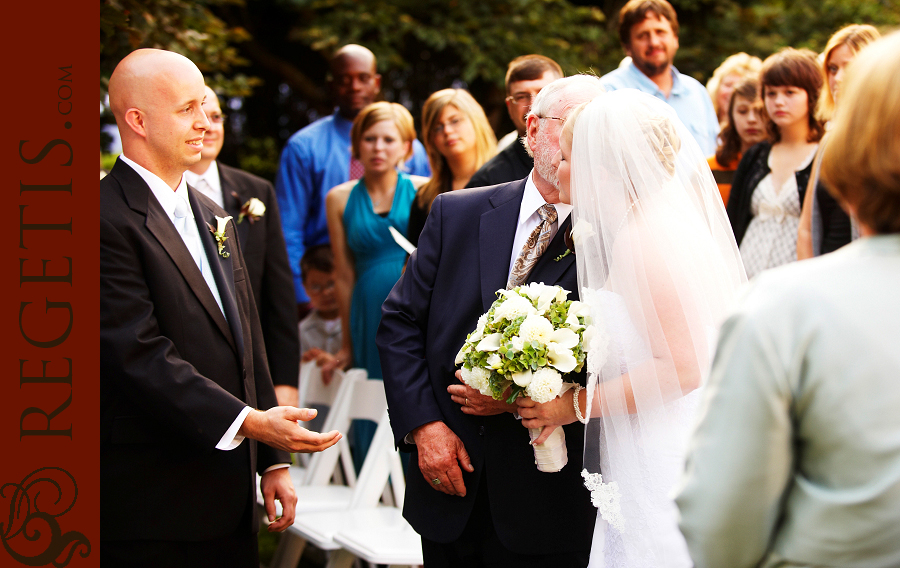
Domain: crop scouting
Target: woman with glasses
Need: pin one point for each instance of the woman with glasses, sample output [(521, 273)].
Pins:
[(458, 139)]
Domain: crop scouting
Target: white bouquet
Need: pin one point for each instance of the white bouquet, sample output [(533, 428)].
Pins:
[(531, 336)]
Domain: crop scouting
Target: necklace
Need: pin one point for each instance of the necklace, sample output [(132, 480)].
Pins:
[(386, 197)]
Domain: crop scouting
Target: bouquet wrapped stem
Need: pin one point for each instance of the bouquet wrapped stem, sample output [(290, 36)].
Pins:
[(551, 455)]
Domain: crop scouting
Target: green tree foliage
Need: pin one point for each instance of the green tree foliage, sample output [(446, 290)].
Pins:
[(474, 38), (187, 27)]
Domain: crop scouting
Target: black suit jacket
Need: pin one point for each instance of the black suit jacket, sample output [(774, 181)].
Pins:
[(175, 373), (268, 270), (450, 280)]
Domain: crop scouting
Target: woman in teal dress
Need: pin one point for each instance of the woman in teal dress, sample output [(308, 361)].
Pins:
[(367, 260)]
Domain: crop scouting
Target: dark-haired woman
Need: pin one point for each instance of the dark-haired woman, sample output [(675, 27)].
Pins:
[(769, 184)]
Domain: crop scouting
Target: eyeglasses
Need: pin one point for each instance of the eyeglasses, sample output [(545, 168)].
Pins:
[(521, 99), (316, 289), (553, 118), (453, 122), (217, 117)]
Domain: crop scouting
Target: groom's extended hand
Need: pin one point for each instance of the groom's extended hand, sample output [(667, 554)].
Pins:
[(441, 452), (475, 403), (278, 428)]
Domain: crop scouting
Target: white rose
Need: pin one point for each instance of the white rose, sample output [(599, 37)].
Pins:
[(517, 343), (494, 361), (255, 207), (522, 379), (582, 230), (561, 357), (545, 385), (536, 328), (490, 342), (513, 307)]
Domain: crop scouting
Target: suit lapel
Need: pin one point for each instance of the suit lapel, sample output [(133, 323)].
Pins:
[(497, 231), (234, 195), (547, 269), (222, 269)]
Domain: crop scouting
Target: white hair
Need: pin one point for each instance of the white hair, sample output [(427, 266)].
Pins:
[(561, 96)]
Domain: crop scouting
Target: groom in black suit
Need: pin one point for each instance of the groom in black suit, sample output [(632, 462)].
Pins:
[(473, 491), (183, 366)]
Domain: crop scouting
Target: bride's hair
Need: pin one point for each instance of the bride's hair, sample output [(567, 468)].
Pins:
[(663, 139), (658, 130)]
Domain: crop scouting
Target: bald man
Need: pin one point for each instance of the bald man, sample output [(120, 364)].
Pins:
[(317, 158), (183, 366)]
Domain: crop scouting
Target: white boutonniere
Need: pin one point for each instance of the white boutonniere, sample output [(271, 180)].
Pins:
[(219, 233), (253, 209)]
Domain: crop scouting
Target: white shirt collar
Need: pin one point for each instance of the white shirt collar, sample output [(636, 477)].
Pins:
[(532, 200), (211, 176), (161, 190)]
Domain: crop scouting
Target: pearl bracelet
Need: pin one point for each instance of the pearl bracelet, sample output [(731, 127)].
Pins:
[(578, 415)]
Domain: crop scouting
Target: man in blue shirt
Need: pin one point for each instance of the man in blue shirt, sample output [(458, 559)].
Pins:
[(648, 30), (317, 158)]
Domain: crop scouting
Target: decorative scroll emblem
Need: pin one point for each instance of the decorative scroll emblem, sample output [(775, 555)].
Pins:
[(31, 533)]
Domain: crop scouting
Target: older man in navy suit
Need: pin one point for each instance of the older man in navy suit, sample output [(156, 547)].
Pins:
[(473, 491), (183, 366)]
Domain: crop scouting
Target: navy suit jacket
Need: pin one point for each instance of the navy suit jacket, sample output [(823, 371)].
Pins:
[(268, 270), (174, 374), (450, 280)]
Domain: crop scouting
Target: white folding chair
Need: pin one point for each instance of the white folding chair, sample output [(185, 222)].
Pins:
[(357, 398), (401, 545)]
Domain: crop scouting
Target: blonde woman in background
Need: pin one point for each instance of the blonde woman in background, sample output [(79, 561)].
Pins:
[(726, 77), (824, 226), (458, 139)]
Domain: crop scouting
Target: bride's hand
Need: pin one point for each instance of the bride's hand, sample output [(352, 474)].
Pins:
[(557, 412)]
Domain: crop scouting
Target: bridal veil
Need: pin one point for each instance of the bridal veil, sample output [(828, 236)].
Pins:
[(659, 267)]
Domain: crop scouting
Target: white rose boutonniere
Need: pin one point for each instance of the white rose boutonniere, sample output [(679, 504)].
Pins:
[(252, 210), (219, 233)]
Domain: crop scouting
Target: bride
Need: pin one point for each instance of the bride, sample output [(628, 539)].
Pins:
[(658, 266)]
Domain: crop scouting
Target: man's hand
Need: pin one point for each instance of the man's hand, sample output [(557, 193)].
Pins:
[(276, 484), (475, 403), (278, 428), (439, 451)]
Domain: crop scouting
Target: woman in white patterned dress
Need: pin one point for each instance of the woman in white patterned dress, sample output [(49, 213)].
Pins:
[(770, 182), (658, 265)]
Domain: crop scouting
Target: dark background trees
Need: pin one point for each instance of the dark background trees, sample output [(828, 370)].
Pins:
[(268, 57)]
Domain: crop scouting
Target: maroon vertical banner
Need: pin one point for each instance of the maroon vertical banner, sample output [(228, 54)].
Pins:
[(49, 305)]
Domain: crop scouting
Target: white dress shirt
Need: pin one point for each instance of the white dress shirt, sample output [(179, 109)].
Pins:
[(532, 200), (207, 183)]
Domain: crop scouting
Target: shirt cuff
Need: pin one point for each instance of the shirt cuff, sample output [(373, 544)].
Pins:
[(409, 439), (276, 466), (232, 439)]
